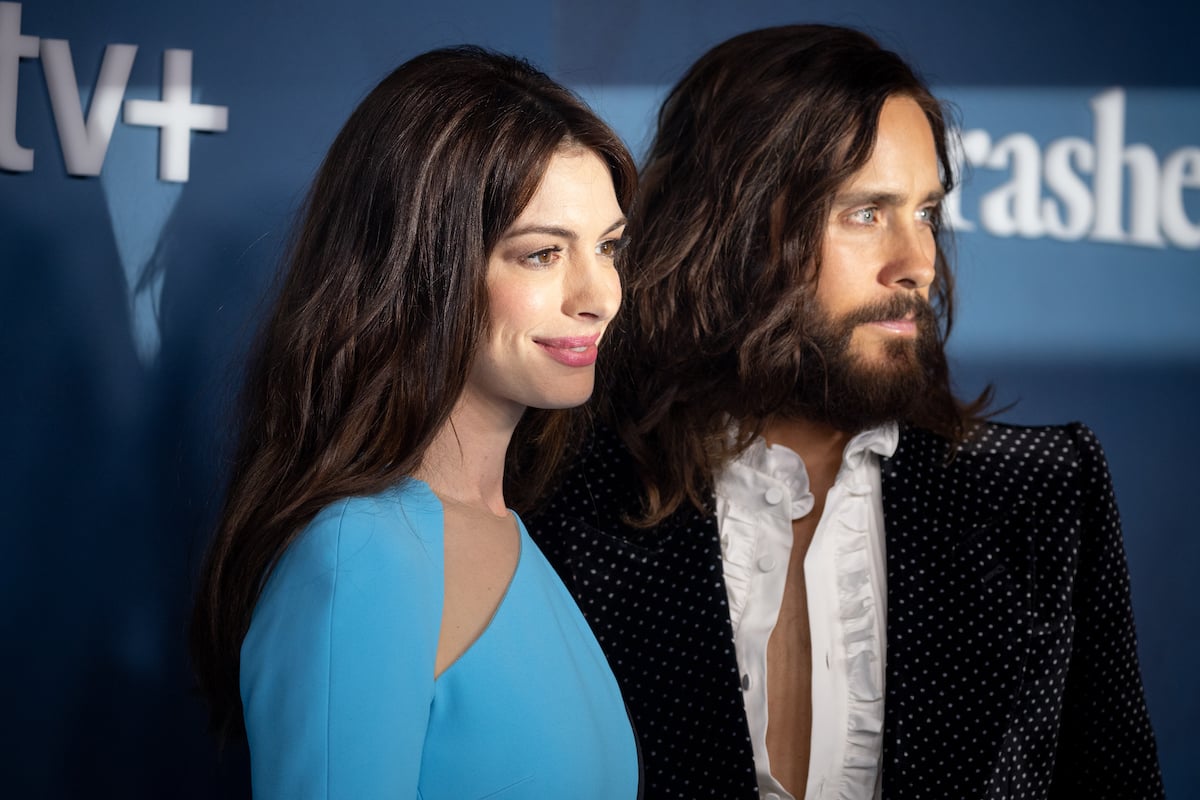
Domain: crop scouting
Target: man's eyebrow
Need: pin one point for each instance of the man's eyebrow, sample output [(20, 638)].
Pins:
[(554, 230), (936, 196), (875, 198)]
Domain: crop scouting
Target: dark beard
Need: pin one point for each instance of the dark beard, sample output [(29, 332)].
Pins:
[(840, 389)]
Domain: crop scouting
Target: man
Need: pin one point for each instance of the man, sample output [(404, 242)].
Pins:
[(816, 573)]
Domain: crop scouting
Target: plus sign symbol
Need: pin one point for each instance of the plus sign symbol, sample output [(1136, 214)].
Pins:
[(176, 115)]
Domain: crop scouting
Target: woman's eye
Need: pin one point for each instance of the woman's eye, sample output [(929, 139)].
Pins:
[(543, 258), (610, 247)]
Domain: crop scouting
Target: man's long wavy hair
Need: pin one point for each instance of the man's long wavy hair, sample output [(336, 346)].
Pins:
[(381, 310), (751, 148)]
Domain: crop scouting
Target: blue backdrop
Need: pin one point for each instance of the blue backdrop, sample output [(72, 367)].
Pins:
[(137, 240)]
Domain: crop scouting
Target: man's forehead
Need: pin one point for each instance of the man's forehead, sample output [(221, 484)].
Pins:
[(904, 162)]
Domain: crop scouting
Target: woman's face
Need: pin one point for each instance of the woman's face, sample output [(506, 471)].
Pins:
[(552, 290)]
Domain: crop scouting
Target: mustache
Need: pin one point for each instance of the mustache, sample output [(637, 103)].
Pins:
[(897, 307)]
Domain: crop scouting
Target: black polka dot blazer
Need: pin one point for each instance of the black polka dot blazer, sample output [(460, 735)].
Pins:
[(1012, 669)]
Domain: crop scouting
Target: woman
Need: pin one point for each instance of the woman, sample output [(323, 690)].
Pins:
[(369, 608)]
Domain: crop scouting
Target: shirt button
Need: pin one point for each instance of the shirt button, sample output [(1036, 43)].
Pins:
[(773, 496), (746, 682), (767, 563)]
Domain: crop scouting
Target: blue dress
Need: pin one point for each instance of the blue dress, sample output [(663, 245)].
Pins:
[(337, 683)]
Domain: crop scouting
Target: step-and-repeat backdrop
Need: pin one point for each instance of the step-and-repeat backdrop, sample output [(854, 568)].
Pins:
[(151, 158)]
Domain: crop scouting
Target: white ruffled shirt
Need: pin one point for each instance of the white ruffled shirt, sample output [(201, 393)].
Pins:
[(758, 495)]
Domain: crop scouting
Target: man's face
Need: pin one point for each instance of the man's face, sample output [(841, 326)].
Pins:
[(878, 252), (869, 320)]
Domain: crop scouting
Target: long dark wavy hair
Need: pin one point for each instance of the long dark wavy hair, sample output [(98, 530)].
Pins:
[(382, 306), (725, 245)]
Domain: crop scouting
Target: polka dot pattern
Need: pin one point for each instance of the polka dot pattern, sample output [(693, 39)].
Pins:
[(1012, 666), (1012, 663)]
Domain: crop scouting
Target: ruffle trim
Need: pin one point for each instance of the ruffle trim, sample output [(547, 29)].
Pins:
[(858, 610)]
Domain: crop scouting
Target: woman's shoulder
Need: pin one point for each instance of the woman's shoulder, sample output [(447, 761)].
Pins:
[(362, 567), (394, 529), (351, 610)]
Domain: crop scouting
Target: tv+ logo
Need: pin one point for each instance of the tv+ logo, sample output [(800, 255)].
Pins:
[(85, 141)]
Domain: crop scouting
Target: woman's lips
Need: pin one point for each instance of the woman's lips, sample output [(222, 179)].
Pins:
[(573, 351)]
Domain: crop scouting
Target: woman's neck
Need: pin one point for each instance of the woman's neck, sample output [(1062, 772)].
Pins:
[(465, 462)]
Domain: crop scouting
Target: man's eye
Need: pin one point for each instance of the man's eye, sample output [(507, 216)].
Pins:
[(864, 215)]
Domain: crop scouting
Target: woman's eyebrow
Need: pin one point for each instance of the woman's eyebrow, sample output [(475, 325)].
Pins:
[(554, 230)]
